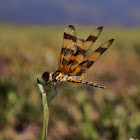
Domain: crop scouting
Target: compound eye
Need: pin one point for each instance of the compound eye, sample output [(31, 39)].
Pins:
[(46, 76)]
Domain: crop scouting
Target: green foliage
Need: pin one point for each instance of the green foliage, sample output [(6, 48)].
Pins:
[(78, 112)]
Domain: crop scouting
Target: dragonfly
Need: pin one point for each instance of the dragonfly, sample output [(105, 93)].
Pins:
[(73, 62)]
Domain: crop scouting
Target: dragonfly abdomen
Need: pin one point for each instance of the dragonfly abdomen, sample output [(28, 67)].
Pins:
[(87, 83)]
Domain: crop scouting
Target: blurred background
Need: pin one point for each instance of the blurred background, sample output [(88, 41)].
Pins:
[(31, 34)]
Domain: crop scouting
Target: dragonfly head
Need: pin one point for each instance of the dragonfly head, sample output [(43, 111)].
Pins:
[(47, 76)]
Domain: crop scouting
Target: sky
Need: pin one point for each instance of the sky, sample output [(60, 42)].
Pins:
[(84, 12)]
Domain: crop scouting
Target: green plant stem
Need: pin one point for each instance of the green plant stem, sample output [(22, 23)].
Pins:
[(45, 111)]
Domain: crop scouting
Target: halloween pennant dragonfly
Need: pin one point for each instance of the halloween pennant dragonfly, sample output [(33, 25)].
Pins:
[(73, 62)]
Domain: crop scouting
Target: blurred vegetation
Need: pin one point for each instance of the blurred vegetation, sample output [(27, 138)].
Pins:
[(78, 112)]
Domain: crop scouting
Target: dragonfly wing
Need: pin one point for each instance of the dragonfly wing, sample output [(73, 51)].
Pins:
[(80, 53), (69, 38), (81, 69)]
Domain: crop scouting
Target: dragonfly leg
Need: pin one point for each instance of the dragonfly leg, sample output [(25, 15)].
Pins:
[(50, 88), (54, 94)]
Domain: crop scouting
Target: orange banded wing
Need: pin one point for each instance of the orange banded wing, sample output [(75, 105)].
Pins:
[(73, 62), (82, 47), (69, 38), (92, 38), (81, 69)]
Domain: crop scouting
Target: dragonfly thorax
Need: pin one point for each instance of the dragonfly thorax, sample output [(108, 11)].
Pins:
[(47, 76), (58, 76)]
